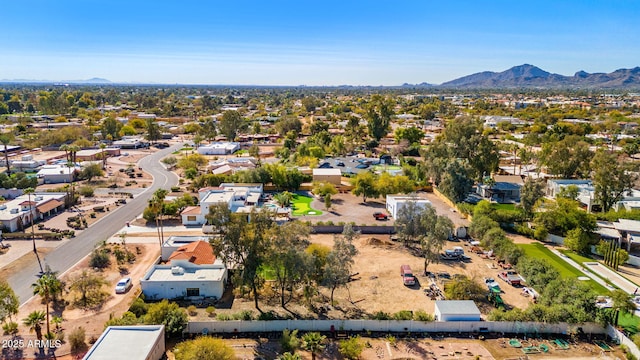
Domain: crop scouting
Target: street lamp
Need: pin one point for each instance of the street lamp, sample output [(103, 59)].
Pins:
[(29, 191)]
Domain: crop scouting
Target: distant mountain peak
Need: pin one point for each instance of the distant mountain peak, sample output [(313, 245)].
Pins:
[(530, 76)]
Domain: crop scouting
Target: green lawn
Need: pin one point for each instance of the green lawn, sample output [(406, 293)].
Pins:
[(576, 257), (629, 322), (301, 205), (538, 250), (507, 207)]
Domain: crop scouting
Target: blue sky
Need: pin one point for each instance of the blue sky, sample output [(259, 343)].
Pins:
[(311, 43)]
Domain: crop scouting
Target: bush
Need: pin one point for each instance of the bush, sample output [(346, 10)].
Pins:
[(86, 191), (77, 340), (211, 311), (192, 310), (403, 315), (421, 315), (243, 315), (139, 308), (10, 328), (223, 317), (351, 348), (175, 188), (99, 259), (381, 315)]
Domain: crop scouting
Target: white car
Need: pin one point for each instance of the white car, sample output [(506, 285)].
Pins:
[(123, 285)]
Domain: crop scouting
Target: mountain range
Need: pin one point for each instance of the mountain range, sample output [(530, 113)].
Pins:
[(529, 76)]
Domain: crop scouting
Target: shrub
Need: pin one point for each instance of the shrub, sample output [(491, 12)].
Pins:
[(211, 311), (192, 310), (139, 308), (77, 340), (223, 317), (99, 259), (10, 328), (351, 348), (421, 315), (243, 315), (86, 191), (381, 315), (403, 315), (175, 188)]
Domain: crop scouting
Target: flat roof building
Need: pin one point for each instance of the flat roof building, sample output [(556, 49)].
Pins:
[(140, 342), (456, 310)]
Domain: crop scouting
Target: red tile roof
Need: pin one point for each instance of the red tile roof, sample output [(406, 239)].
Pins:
[(197, 252), (191, 210)]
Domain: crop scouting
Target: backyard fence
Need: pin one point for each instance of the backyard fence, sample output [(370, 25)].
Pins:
[(391, 326), (622, 339), (337, 229)]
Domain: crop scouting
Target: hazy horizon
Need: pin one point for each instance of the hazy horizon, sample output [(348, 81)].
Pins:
[(317, 44)]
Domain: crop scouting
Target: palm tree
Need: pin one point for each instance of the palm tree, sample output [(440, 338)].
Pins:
[(65, 148), (47, 287), (30, 191), (73, 149), (5, 139), (157, 205), (290, 356), (312, 342), (34, 322), (104, 156)]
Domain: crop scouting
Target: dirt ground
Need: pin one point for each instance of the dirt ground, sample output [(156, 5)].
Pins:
[(429, 348), (377, 285)]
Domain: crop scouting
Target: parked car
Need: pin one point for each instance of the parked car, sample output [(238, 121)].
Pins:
[(511, 277), (380, 216), (407, 275), (123, 285), (340, 163)]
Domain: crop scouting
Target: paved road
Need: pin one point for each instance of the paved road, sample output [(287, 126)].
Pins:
[(64, 257)]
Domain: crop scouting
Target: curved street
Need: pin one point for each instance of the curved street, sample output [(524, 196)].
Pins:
[(66, 256)]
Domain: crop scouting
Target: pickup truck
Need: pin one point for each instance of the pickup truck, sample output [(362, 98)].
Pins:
[(380, 216), (511, 277)]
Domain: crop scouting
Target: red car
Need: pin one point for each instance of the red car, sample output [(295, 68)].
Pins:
[(380, 216)]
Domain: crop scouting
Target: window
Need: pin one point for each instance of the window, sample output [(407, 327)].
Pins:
[(193, 292), (191, 218)]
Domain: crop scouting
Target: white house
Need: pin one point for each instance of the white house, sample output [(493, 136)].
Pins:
[(173, 243), (193, 272), (219, 148), (19, 212), (135, 342), (396, 202), (238, 197), (56, 174), (330, 175), (130, 142), (456, 310)]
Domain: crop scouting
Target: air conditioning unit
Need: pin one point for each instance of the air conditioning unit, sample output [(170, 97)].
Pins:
[(15, 210), (177, 270), (38, 198)]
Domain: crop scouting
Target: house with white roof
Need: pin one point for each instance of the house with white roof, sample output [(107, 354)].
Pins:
[(135, 342), (193, 271), (57, 174), (219, 148), (238, 198), (396, 202), (130, 142), (20, 212)]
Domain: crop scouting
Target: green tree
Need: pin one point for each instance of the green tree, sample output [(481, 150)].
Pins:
[(48, 286), (168, 314), (364, 184), (9, 302), (322, 188), (622, 303), (313, 342), (455, 182), (566, 158), (230, 123), (5, 139), (611, 178), (538, 272), (411, 134), (464, 288), (90, 171), (89, 286), (111, 128), (286, 257), (438, 228), (242, 243), (208, 130), (204, 348), (531, 192), (34, 322), (351, 348), (153, 130), (156, 204), (337, 269), (378, 113)]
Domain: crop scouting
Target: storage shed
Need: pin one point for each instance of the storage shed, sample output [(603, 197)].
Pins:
[(139, 342), (395, 202), (332, 175), (456, 310)]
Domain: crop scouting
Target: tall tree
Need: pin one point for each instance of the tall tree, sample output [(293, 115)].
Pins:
[(47, 287), (9, 302), (611, 178), (87, 284), (153, 130), (156, 203), (242, 243), (103, 155), (287, 258), (378, 113), (566, 158), (230, 123), (438, 228), (32, 215), (455, 183), (337, 270), (364, 184), (531, 192), (5, 139), (408, 225)]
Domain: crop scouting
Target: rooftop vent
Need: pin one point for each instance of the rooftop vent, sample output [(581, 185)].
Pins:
[(177, 270)]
